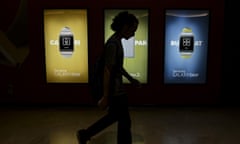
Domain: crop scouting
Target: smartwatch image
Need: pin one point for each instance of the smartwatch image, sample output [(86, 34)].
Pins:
[(186, 45), (66, 45)]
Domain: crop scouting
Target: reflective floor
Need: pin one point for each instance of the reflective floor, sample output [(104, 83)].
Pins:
[(150, 125)]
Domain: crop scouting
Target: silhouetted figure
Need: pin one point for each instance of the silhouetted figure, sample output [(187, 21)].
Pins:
[(115, 98)]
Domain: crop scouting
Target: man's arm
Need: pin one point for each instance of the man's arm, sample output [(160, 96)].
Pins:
[(134, 81), (103, 102)]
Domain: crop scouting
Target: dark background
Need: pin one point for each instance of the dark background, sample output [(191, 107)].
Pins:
[(24, 84)]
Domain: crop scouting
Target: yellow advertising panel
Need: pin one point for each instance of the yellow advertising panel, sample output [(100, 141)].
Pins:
[(135, 48), (66, 45)]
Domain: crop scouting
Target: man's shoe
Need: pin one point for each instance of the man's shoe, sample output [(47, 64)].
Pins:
[(82, 136)]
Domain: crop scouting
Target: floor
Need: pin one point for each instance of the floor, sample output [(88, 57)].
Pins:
[(150, 125)]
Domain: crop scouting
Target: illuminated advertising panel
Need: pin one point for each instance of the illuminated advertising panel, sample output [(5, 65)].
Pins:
[(186, 46), (135, 48), (66, 47)]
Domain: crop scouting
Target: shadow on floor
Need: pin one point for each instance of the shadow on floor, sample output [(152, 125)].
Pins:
[(110, 137)]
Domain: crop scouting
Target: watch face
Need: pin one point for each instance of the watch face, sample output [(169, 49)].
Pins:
[(66, 43), (186, 44)]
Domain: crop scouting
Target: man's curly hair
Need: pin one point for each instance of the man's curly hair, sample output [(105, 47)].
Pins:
[(123, 18)]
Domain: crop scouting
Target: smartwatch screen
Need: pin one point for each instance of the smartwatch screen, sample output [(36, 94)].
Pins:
[(186, 44), (66, 43)]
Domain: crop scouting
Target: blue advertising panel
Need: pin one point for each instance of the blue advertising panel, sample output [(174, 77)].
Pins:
[(186, 46)]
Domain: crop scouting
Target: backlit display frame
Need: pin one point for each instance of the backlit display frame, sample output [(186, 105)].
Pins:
[(66, 45), (186, 46), (136, 48)]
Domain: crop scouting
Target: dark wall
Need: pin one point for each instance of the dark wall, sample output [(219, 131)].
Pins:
[(28, 85), (230, 56)]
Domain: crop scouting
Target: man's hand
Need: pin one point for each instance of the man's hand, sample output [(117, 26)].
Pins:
[(135, 83), (103, 103)]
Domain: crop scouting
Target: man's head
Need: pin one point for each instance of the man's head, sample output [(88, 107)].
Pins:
[(126, 24)]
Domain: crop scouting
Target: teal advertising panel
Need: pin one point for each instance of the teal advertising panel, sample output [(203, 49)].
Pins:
[(186, 46)]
